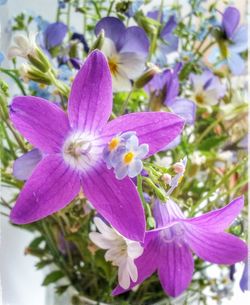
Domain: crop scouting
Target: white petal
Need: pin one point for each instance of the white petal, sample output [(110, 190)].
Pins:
[(114, 255), (103, 228), (134, 249), (132, 64), (132, 270), (120, 81), (14, 52), (22, 42), (123, 275), (108, 47), (100, 241)]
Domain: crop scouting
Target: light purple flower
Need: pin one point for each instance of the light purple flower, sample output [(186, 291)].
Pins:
[(207, 88), (125, 49), (72, 147), (245, 279), (168, 40), (167, 249), (166, 86), (234, 41)]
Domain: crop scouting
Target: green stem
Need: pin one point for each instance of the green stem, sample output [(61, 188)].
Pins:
[(208, 129), (68, 18), (15, 78), (110, 7), (125, 104)]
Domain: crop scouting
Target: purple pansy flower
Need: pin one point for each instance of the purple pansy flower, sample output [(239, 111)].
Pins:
[(168, 40), (233, 42), (167, 249), (164, 87), (72, 147), (52, 36), (125, 49), (207, 88)]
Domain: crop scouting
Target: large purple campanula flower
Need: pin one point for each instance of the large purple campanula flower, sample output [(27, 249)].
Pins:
[(72, 145), (126, 50), (167, 249), (164, 88)]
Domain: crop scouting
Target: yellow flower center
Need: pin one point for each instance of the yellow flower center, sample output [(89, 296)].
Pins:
[(199, 98), (113, 144), (128, 157), (113, 65), (42, 86)]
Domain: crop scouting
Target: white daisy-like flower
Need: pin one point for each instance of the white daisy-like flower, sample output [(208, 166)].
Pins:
[(120, 251)]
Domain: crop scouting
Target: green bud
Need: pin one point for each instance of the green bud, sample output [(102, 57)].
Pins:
[(151, 222), (29, 72), (98, 42), (39, 60), (4, 87), (146, 77)]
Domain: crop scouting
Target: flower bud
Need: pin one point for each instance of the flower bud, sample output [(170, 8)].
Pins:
[(29, 72), (99, 41), (146, 77), (166, 178), (179, 168)]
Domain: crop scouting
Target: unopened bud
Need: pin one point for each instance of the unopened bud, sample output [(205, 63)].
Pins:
[(166, 178), (29, 72), (146, 77), (179, 168), (98, 44)]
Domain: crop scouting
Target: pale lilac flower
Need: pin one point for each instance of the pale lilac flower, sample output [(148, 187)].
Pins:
[(245, 279), (24, 46), (126, 50), (72, 147), (207, 89), (168, 248), (120, 251), (179, 168)]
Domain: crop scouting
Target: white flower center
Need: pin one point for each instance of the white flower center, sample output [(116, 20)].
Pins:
[(82, 151), (173, 234)]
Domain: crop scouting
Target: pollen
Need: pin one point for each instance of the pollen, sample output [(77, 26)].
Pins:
[(113, 65), (42, 86), (199, 98), (113, 144), (128, 157)]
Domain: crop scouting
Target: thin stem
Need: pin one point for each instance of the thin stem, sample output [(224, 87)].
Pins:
[(125, 104), (15, 78)]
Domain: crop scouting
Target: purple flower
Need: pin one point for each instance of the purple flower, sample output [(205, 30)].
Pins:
[(52, 36), (167, 249), (125, 49), (165, 86), (233, 42), (72, 146), (207, 88), (168, 40)]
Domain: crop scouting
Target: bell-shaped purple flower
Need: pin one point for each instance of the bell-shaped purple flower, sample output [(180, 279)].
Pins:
[(126, 50), (72, 147), (168, 249)]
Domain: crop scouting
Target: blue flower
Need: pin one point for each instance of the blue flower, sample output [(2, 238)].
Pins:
[(39, 89), (125, 155)]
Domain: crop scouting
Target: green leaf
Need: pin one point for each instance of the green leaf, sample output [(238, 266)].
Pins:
[(43, 264), (36, 242), (211, 142), (61, 289), (53, 277)]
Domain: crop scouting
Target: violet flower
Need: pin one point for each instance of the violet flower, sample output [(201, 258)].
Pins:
[(52, 36), (167, 249), (207, 88), (168, 40), (125, 49), (245, 279), (164, 89), (72, 146), (233, 42)]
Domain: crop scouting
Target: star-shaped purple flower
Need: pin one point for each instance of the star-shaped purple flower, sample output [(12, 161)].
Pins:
[(72, 150), (167, 249)]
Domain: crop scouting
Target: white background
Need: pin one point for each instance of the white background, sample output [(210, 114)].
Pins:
[(20, 282)]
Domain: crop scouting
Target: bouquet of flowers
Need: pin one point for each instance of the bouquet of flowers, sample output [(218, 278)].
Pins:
[(125, 148)]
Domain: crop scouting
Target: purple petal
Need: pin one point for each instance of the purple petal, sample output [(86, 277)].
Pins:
[(220, 219), (135, 40), (167, 212), (116, 200), (157, 129), (236, 63), (173, 144), (147, 263), (114, 29), (230, 20), (54, 34), (41, 122), (24, 165), (218, 248), (176, 266), (169, 27), (90, 101), (245, 279), (50, 188), (184, 108), (240, 42)]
